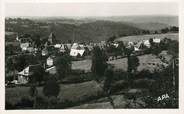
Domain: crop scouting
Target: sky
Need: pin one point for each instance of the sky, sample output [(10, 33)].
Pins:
[(90, 9)]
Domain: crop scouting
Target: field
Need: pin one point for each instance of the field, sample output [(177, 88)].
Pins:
[(68, 92), (82, 65), (173, 36), (119, 63)]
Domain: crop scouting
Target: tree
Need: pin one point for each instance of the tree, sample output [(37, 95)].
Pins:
[(120, 48), (33, 93), (133, 63), (37, 41), (111, 39), (99, 64), (51, 88), (38, 75), (108, 80), (63, 65)]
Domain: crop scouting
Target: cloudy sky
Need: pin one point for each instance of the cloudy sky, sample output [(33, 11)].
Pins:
[(90, 9)]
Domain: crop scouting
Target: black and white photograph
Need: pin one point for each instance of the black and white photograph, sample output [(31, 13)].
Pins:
[(99, 55)]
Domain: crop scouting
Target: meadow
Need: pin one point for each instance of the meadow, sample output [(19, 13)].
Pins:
[(68, 92), (136, 38)]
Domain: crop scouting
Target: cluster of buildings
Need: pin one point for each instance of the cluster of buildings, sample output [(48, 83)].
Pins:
[(47, 50), (51, 45)]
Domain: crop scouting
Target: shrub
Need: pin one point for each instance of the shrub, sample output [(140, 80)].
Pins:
[(119, 85), (143, 74), (26, 102), (8, 105), (41, 102), (51, 88), (143, 83), (108, 80), (120, 75)]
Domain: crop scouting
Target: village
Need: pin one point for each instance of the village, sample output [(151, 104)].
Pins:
[(44, 69), (77, 51)]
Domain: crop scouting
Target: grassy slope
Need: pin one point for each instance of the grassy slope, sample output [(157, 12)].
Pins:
[(70, 92), (173, 36)]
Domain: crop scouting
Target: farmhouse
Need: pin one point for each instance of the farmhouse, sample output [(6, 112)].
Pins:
[(24, 75), (77, 50), (156, 40), (57, 45), (63, 48), (50, 61), (147, 43), (45, 52), (25, 41)]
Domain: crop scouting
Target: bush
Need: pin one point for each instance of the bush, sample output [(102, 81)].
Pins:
[(41, 102), (144, 74), (120, 75), (77, 78), (51, 88), (8, 105), (109, 73), (65, 104), (143, 83), (26, 102), (119, 85)]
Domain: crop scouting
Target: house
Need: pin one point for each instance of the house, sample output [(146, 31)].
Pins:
[(50, 61), (45, 52), (25, 41), (24, 75), (136, 49), (130, 44), (147, 43), (63, 48), (69, 46), (77, 50), (57, 46), (156, 40)]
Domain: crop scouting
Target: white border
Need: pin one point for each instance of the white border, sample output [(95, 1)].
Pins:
[(107, 111)]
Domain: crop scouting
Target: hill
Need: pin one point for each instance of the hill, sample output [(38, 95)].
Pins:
[(93, 31), (144, 22)]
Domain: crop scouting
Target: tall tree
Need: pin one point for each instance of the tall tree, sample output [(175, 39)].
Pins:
[(38, 75), (132, 61), (51, 88), (99, 64), (108, 80), (63, 65)]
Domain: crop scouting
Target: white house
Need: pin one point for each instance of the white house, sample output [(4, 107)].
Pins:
[(76, 50), (24, 75), (44, 52), (156, 40), (57, 45), (63, 48), (147, 43), (25, 43), (50, 61)]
